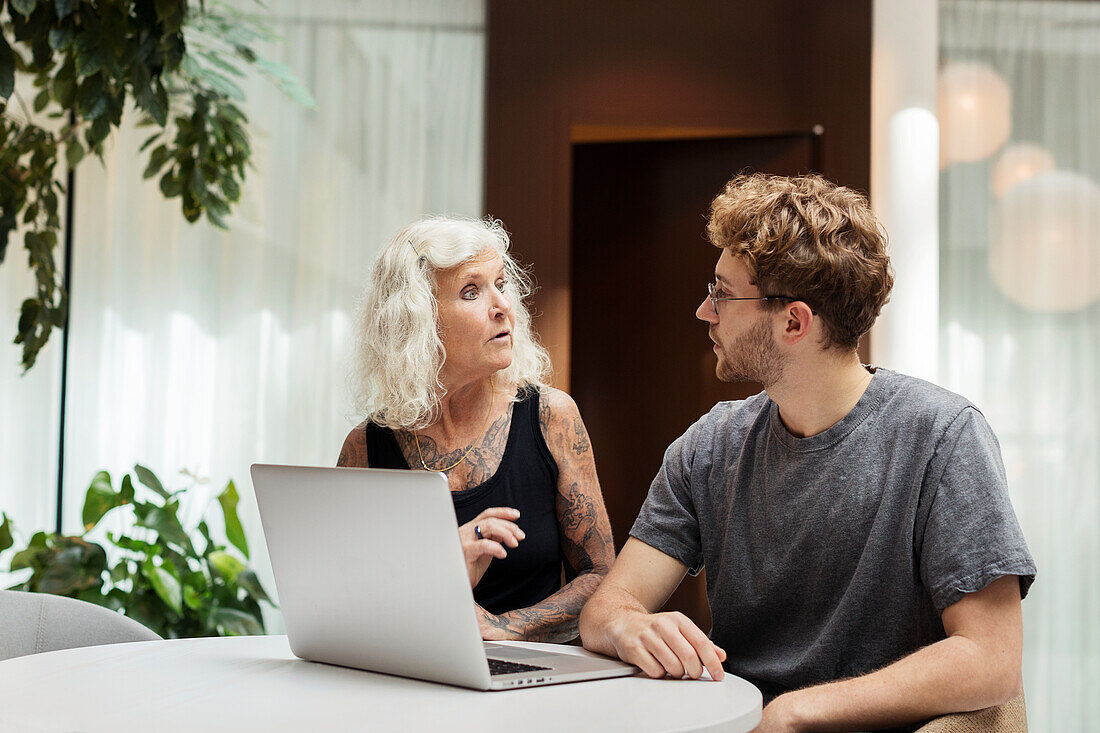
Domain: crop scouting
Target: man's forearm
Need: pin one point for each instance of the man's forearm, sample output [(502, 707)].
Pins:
[(954, 674), (609, 604)]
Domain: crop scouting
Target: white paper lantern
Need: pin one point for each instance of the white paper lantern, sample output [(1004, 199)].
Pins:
[(1045, 242), (1019, 162), (975, 112)]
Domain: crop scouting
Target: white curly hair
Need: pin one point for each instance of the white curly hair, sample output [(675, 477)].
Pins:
[(399, 352)]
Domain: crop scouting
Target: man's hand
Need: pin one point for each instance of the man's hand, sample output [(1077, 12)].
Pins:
[(666, 643), (620, 621), (497, 528)]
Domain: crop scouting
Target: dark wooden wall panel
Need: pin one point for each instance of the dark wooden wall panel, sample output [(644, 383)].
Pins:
[(575, 91), (736, 65)]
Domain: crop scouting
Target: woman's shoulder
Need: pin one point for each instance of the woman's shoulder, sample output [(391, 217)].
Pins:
[(353, 454), (557, 410), (549, 398)]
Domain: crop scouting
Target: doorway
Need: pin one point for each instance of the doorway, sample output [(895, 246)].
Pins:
[(642, 367)]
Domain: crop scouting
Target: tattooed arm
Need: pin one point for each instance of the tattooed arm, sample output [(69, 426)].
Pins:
[(582, 525), (354, 452)]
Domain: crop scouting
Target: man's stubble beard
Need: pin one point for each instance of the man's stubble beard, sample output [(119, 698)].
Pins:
[(753, 357)]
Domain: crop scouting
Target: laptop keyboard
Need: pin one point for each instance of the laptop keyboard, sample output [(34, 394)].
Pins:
[(499, 666)]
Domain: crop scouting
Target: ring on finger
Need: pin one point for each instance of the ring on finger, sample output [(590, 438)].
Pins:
[(477, 531)]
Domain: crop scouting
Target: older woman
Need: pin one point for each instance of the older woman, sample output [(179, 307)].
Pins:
[(451, 379)]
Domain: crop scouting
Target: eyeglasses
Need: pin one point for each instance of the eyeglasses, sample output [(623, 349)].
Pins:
[(715, 298)]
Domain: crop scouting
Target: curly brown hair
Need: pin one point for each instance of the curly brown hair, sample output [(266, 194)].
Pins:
[(808, 238)]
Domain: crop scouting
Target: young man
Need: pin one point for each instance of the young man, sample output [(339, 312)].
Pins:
[(864, 564)]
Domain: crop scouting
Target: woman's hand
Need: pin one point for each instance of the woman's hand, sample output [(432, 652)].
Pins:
[(498, 530)]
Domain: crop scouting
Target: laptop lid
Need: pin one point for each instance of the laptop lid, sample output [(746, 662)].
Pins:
[(369, 571)]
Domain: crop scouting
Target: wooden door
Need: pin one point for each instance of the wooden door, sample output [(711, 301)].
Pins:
[(642, 367)]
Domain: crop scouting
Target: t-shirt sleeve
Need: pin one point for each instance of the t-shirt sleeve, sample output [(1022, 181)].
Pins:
[(667, 520), (971, 536)]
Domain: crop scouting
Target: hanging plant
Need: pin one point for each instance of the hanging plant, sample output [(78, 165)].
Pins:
[(179, 64)]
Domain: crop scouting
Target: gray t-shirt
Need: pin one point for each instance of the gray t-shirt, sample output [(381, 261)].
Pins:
[(834, 555)]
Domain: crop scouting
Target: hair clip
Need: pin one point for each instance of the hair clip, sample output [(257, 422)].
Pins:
[(421, 259)]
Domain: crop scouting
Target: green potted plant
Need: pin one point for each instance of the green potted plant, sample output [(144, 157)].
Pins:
[(177, 584)]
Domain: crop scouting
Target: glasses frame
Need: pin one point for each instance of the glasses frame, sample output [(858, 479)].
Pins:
[(714, 298)]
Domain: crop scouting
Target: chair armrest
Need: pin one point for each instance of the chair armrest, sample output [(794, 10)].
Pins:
[(1011, 717)]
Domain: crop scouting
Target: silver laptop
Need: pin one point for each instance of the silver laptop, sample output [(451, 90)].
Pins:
[(370, 574)]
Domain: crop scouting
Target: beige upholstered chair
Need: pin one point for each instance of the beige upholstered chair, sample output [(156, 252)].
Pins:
[(40, 622), (1008, 718)]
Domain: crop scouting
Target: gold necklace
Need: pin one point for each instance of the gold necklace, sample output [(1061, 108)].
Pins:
[(416, 436)]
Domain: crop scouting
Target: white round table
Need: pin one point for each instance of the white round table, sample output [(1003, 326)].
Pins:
[(256, 683)]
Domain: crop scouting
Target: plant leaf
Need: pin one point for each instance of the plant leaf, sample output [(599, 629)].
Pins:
[(148, 478), (91, 100), (6, 540), (73, 567), (204, 530), (60, 38), (170, 185), (163, 520), (216, 220), (248, 580), (165, 584), (74, 153), (157, 159), (158, 107), (120, 572), (227, 566), (100, 499), (132, 544), (148, 141), (232, 622), (287, 83), (7, 68), (24, 559), (233, 530), (25, 7), (229, 186), (192, 598), (126, 492), (94, 595), (64, 7)]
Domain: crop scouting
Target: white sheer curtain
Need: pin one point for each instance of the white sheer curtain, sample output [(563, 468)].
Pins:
[(29, 405), (1025, 344), (193, 348), (29, 409)]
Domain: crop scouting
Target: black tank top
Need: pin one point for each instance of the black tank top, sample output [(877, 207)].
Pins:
[(527, 479)]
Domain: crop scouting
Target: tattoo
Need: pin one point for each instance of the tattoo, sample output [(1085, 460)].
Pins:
[(497, 622), (544, 415), (354, 451), (582, 519), (584, 529), (580, 438), (552, 620), (479, 466), (582, 532)]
